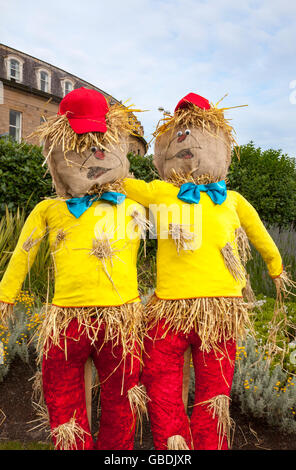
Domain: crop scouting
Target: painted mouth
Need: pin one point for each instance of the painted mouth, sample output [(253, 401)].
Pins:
[(184, 154), (95, 172)]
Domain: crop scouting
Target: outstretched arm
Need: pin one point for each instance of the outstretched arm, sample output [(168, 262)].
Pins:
[(142, 192), (259, 236), (22, 258)]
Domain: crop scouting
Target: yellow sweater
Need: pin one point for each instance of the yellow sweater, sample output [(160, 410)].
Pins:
[(201, 271), (82, 276)]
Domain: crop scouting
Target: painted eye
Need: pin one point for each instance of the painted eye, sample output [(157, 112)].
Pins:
[(188, 131), (93, 149), (179, 133)]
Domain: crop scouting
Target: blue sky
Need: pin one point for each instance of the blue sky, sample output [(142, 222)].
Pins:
[(156, 51)]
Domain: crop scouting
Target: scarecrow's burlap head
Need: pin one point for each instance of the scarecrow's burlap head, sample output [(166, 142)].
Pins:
[(194, 142), (86, 144)]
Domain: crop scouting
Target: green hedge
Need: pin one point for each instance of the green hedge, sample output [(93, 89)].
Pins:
[(22, 181), (267, 179)]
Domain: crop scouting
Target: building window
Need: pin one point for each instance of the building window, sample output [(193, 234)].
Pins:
[(44, 80), (15, 125), (68, 86), (14, 67)]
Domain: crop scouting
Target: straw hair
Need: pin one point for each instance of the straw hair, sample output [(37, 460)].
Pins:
[(102, 249), (123, 325), (232, 263), (219, 407), (116, 186), (182, 237), (30, 242), (66, 435), (248, 292), (279, 325), (2, 417), (61, 237), (244, 251), (180, 177), (56, 130), (210, 120), (243, 245), (42, 419), (138, 399), (177, 442), (214, 319), (285, 285), (37, 388), (6, 313), (143, 224)]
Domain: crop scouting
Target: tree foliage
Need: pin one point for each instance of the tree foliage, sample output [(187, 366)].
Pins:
[(142, 167)]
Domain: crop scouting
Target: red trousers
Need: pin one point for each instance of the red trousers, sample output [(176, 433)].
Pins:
[(163, 376), (64, 391)]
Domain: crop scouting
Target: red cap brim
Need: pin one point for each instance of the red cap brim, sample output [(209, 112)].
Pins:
[(84, 125)]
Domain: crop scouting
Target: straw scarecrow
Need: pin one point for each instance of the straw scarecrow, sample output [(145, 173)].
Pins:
[(202, 231), (96, 311)]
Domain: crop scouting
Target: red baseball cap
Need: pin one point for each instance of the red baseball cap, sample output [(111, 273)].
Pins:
[(86, 110), (192, 98)]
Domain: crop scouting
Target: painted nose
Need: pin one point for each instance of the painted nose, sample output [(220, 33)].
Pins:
[(181, 138), (100, 154)]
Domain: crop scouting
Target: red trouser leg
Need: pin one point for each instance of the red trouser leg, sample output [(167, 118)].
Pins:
[(64, 391), (213, 380), (163, 377), (117, 377)]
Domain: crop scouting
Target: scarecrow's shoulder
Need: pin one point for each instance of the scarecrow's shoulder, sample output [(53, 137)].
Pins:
[(234, 196), (163, 188), (43, 207)]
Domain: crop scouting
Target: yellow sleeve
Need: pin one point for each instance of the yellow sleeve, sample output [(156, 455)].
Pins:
[(142, 192), (259, 236), (24, 254)]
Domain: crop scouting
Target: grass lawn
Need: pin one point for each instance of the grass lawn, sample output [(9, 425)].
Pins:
[(18, 445)]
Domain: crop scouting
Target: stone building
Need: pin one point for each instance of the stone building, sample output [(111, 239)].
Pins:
[(31, 90)]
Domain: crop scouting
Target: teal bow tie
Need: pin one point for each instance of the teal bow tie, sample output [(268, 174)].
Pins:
[(78, 205), (190, 192)]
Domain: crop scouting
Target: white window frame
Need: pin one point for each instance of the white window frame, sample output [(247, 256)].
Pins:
[(19, 136), (7, 65), (64, 81), (39, 71)]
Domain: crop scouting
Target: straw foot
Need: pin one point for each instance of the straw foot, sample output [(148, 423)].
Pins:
[(177, 442)]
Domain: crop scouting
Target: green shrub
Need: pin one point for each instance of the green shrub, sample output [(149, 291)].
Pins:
[(22, 181), (267, 179), (262, 391), (142, 167), (21, 330)]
